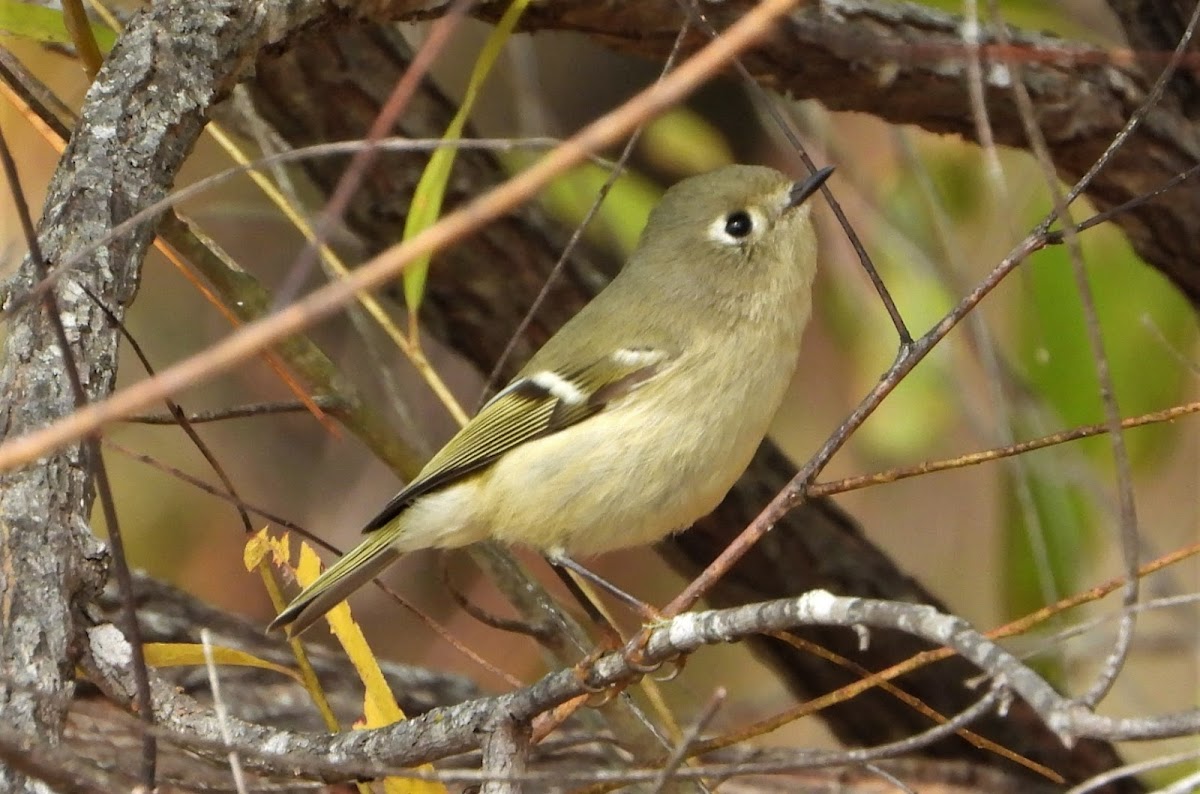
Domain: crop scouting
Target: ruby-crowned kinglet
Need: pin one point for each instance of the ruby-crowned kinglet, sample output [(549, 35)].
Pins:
[(638, 416)]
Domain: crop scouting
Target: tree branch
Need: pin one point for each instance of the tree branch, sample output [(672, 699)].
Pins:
[(466, 726)]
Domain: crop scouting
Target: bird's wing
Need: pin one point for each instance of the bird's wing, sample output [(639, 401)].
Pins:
[(532, 406)]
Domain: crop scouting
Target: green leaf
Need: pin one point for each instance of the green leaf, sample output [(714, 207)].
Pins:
[(431, 189)]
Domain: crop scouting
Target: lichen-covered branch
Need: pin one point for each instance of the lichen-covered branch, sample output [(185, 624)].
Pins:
[(472, 724)]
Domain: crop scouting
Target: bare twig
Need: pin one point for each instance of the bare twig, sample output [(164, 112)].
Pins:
[(539, 632), (975, 90), (329, 403), (682, 748), (181, 418), (214, 681), (975, 458)]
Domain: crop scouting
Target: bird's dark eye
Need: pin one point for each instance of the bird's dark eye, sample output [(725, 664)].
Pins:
[(738, 224)]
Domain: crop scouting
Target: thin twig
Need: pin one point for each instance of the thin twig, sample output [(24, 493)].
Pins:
[(845, 484), (448, 636), (1178, 56), (1129, 770), (328, 403), (180, 417), (539, 632), (385, 120), (863, 680), (214, 681), (196, 482), (889, 778), (979, 114), (681, 751), (1108, 398)]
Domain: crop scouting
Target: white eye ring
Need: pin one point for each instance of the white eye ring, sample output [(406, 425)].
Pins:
[(735, 228)]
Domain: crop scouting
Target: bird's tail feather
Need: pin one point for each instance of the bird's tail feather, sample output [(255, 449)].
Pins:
[(352, 571)]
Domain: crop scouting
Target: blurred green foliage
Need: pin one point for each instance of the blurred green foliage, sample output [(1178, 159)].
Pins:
[(1145, 322), (1146, 325), (1027, 14), (680, 142), (620, 219), (45, 25)]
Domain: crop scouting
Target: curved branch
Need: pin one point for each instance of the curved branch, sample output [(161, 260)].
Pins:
[(466, 726)]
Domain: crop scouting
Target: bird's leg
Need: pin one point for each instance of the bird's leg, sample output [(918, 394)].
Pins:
[(611, 638), (635, 648), (562, 563)]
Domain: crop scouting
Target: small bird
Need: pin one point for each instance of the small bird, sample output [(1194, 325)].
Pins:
[(638, 416)]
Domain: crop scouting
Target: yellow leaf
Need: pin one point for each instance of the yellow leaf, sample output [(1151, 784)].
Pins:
[(260, 545), (189, 654), (379, 704)]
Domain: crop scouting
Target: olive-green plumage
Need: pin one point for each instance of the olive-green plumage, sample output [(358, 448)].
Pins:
[(638, 416)]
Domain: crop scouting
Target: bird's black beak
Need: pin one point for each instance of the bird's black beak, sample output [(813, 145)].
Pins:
[(801, 190)]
